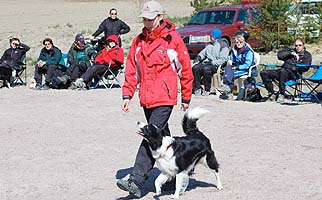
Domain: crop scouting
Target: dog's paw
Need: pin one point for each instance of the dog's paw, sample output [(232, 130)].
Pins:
[(158, 192), (174, 196), (219, 187)]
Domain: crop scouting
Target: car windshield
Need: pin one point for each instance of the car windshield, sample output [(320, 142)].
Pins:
[(213, 17)]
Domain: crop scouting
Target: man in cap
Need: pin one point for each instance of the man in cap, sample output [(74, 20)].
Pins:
[(156, 58), (208, 60), (79, 59)]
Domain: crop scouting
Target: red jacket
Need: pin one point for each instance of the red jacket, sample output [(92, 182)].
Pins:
[(155, 61), (114, 55)]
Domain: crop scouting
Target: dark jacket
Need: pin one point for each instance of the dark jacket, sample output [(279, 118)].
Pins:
[(112, 27), (290, 61), (89, 52), (51, 56), (12, 57)]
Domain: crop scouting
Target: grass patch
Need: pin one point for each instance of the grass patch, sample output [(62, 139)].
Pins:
[(179, 21)]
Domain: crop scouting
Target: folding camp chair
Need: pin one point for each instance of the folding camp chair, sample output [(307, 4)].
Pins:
[(312, 83), (294, 87), (19, 73), (110, 77), (240, 76)]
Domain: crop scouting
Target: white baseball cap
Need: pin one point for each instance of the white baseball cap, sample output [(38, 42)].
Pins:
[(151, 9)]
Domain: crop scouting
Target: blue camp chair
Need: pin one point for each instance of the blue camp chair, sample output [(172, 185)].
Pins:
[(297, 84), (312, 83)]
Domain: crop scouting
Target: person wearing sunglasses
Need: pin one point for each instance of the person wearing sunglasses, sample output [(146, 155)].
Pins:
[(11, 61), (112, 25), (289, 70), (48, 64), (241, 59)]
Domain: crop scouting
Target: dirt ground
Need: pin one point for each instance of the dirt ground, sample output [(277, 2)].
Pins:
[(62, 144)]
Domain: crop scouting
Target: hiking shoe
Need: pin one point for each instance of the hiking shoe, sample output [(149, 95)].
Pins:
[(37, 87), (79, 84), (63, 79), (197, 92), (44, 87), (226, 96), (205, 93), (280, 99), (224, 88), (130, 186)]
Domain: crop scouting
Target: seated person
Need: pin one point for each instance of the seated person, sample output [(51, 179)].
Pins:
[(210, 58), (48, 63), (241, 59), (111, 56), (79, 59), (11, 60), (288, 70)]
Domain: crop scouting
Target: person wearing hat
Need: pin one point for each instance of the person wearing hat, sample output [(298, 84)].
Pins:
[(111, 56), (156, 59), (79, 59), (241, 59), (11, 60), (207, 62), (112, 25)]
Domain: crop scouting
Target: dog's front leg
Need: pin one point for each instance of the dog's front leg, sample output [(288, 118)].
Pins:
[(162, 178), (182, 182), (219, 185)]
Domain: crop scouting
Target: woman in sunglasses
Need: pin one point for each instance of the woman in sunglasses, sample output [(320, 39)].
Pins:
[(11, 60), (241, 59), (112, 25), (291, 57)]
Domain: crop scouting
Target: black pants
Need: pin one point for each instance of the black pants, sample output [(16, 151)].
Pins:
[(144, 161), (47, 70), (282, 75), (76, 71), (92, 72), (204, 71)]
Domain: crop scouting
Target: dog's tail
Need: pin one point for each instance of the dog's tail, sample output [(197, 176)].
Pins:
[(189, 122)]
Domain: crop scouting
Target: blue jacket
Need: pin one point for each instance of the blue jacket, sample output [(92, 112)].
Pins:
[(243, 60)]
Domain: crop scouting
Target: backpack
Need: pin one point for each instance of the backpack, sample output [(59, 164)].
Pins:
[(250, 92)]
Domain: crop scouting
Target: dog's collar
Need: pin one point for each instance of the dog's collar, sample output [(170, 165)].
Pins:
[(170, 145)]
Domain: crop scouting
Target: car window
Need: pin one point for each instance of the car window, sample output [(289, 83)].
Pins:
[(243, 16), (213, 17), (255, 14), (310, 8)]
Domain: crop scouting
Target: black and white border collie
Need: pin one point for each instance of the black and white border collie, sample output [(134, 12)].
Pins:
[(178, 156)]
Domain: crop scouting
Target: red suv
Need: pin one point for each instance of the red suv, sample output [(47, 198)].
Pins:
[(228, 19)]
